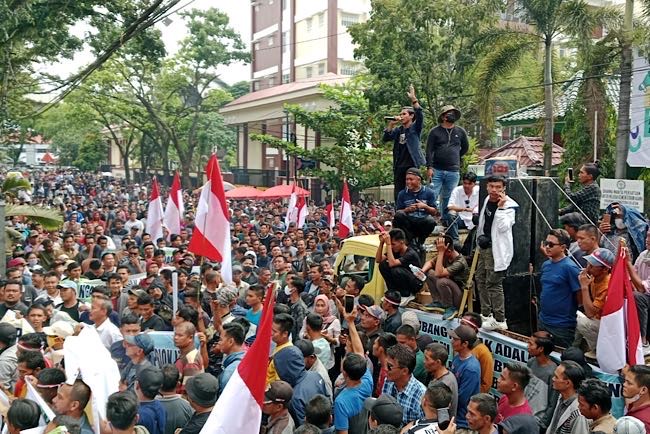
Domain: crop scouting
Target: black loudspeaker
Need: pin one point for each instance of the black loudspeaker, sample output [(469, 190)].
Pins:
[(529, 231)]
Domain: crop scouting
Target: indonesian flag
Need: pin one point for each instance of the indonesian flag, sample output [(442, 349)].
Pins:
[(155, 213), (211, 234), (292, 211), (302, 211), (174, 210), (619, 338), (239, 408), (329, 211), (345, 218)]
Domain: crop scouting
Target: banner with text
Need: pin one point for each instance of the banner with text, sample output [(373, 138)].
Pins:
[(624, 191)]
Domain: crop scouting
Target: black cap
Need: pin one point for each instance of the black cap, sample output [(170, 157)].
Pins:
[(306, 347), (8, 334), (385, 410), (279, 392), (202, 389), (414, 171)]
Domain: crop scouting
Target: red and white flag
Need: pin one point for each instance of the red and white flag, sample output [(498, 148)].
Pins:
[(619, 337), (174, 210), (302, 211), (345, 218), (292, 211), (155, 213), (329, 212), (239, 408), (211, 234)]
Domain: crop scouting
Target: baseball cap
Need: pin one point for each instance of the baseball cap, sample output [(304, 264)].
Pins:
[(327, 278), (411, 318), (392, 297), (375, 311), (414, 171), (278, 392), (225, 296), (141, 340), (137, 292), (306, 347), (601, 258), (61, 329), (33, 234), (464, 333), (629, 425), (150, 379), (8, 333), (384, 409), (68, 284), (16, 262), (388, 223), (202, 389)]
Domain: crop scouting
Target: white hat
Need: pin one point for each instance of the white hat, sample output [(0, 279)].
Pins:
[(388, 223), (629, 425), (61, 329)]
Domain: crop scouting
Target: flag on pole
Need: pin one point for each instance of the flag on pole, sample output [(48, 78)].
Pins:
[(292, 211), (619, 337), (329, 211), (302, 211), (155, 213), (174, 210), (239, 408), (211, 234), (345, 218)]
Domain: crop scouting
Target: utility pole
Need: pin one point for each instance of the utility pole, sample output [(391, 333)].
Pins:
[(623, 125)]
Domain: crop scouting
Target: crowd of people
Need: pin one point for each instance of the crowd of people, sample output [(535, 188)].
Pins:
[(341, 361)]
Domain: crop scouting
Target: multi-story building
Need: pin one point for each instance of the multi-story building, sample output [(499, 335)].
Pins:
[(296, 45)]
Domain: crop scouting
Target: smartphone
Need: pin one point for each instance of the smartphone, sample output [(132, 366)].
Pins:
[(390, 118), (349, 303), (607, 218), (570, 174)]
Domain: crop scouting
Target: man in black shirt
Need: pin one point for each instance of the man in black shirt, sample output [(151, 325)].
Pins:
[(406, 140), (149, 321), (202, 393), (446, 144), (394, 264), (68, 293)]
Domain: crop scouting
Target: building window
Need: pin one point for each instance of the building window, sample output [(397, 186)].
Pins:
[(308, 71), (270, 41), (321, 19), (285, 78), (349, 19), (271, 81), (257, 46), (321, 68), (285, 41), (349, 68), (308, 22)]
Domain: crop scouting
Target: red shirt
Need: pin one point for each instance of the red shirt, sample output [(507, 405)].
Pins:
[(506, 410), (642, 413)]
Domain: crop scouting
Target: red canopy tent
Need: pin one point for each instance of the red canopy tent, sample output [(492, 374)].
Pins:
[(280, 191), (245, 192)]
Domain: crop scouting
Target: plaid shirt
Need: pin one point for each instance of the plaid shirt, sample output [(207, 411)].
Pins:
[(410, 398), (587, 198)]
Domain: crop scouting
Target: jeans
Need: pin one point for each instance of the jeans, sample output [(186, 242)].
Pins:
[(490, 286), (443, 182), (452, 229), (562, 336)]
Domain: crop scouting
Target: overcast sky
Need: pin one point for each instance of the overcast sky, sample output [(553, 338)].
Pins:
[(240, 19)]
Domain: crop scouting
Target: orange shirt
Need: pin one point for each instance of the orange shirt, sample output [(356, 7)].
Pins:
[(598, 293)]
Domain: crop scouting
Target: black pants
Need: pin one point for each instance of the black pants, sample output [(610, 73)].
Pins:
[(399, 179), (415, 228), (400, 279)]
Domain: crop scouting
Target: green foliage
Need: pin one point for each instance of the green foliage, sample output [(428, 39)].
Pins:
[(92, 152), (350, 132), (423, 42)]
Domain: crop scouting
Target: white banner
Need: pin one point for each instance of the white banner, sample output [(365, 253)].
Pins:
[(639, 153), (624, 191)]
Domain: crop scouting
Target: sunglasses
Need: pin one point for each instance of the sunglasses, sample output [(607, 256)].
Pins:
[(551, 244)]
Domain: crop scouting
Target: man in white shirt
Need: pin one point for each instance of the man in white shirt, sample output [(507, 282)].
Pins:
[(99, 313), (464, 204)]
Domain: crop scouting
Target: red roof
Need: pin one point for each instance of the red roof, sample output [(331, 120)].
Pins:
[(528, 150), (329, 78)]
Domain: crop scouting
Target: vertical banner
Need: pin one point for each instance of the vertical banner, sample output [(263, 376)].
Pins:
[(175, 292), (639, 152)]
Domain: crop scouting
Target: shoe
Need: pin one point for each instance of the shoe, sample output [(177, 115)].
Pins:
[(590, 355), (500, 325), (450, 313), (406, 300), (646, 349), (488, 322)]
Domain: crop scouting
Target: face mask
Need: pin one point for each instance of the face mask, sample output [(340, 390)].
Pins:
[(287, 290), (619, 224), (450, 117), (635, 398), (32, 262), (247, 268)]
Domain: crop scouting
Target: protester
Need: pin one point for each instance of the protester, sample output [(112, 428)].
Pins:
[(178, 411), (395, 262), (276, 405), (566, 417), (202, 395), (466, 368), (587, 199), (415, 208)]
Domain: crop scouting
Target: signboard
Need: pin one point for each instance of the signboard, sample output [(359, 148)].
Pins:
[(134, 279), (85, 288), (164, 348), (639, 152), (507, 350), (627, 192), (169, 254)]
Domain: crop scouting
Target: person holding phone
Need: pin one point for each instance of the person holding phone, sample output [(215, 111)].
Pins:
[(494, 239), (406, 140), (587, 198)]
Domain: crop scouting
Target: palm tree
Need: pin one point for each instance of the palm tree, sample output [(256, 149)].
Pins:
[(10, 190), (548, 21)]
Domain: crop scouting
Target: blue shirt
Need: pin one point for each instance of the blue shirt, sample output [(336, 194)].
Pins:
[(152, 415), (468, 377), (254, 317), (349, 402), (406, 198), (410, 398), (559, 285)]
